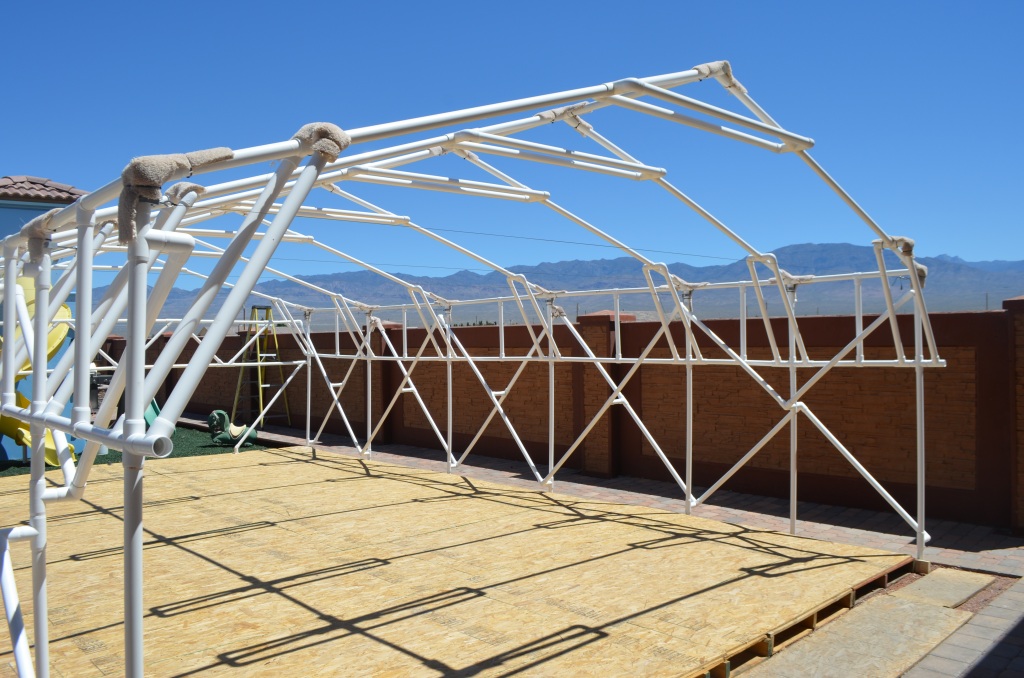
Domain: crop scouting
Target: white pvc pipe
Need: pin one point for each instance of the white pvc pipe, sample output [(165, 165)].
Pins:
[(81, 410), (367, 449), (214, 284), (865, 474), (134, 465), (551, 394), (688, 475), (310, 348), (791, 414), (115, 300), (190, 377), (793, 141), (12, 608), (40, 260), (148, 446), (104, 318), (893, 321), (919, 320), (11, 264), (27, 329), (793, 420)]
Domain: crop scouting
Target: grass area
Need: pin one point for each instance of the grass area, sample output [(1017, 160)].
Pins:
[(187, 443)]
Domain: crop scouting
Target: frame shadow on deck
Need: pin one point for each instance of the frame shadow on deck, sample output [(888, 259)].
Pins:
[(273, 562)]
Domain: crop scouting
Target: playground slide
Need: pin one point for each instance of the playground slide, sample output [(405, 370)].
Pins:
[(16, 430)]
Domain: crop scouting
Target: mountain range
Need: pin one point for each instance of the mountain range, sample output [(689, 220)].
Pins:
[(952, 284)]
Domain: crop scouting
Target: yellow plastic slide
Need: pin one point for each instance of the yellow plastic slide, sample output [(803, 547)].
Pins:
[(16, 430)]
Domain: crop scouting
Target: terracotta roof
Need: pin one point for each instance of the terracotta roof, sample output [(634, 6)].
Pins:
[(37, 189)]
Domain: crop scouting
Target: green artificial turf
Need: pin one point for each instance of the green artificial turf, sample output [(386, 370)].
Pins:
[(187, 443)]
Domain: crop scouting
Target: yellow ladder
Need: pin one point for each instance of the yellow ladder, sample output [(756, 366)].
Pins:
[(261, 323)]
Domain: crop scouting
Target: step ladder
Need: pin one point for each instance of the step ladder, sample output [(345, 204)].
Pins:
[(264, 349)]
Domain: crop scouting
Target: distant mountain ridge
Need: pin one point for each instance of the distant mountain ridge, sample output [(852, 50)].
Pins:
[(952, 283)]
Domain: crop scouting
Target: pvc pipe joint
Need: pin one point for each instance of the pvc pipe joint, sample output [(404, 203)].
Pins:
[(171, 242), (156, 447)]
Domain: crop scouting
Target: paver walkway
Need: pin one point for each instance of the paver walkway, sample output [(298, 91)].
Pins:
[(991, 644)]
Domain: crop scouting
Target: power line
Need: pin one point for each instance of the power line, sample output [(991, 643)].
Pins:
[(584, 244)]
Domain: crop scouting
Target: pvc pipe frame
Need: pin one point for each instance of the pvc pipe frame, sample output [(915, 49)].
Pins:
[(537, 307), (12, 607)]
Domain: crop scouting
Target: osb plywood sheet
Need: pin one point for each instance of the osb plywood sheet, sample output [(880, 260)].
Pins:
[(272, 563)]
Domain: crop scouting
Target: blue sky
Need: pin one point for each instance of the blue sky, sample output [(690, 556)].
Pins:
[(913, 107)]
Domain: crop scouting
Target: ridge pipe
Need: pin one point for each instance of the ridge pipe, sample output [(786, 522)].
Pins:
[(391, 156), (285, 149), (203, 356), (429, 122), (223, 193)]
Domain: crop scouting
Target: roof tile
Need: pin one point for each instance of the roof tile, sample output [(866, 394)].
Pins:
[(37, 189)]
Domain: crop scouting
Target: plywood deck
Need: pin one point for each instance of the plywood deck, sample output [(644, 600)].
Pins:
[(270, 563)]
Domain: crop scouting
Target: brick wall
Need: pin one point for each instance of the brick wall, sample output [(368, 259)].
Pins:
[(1015, 308), (973, 418)]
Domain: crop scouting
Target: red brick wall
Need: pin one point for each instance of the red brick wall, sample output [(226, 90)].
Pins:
[(731, 414), (526, 405), (972, 417), (1015, 308), (870, 410)]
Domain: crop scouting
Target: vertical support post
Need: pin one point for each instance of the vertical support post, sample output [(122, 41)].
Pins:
[(743, 322), (858, 308), (39, 252), (369, 384), (919, 406), (501, 329), (618, 329), (551, 396), (307, 318), (448, 367), (405, 333), (135, 425), (791, 291), (688, 300), (81, 411), (10, 323)]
